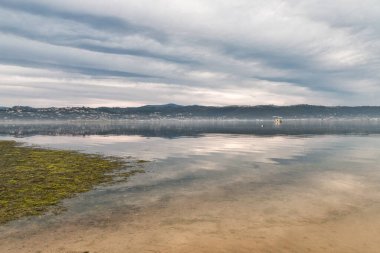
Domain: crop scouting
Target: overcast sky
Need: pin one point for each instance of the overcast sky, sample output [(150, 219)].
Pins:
[(212, 52)]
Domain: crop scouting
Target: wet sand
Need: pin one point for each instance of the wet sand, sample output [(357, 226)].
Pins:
[(281, 219)]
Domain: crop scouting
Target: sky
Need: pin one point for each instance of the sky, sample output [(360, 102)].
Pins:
[(209, 52)]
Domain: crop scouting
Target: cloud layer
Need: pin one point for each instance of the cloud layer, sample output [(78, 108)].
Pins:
[(212, 52)]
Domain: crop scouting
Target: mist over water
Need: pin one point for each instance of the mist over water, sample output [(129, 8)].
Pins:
[(232, 186), (171, 128)]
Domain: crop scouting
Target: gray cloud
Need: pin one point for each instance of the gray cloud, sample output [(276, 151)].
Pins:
[(209, 52), (91, 46), (74, 69), (109, 23)]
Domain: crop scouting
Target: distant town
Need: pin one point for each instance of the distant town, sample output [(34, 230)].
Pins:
[(173, 111)]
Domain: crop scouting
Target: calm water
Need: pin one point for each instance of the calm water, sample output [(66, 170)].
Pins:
[(215, 187)]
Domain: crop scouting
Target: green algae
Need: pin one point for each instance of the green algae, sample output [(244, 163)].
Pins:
[(34, 180), (142, 161)]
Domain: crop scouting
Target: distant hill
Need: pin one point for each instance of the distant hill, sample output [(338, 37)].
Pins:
[(188, 112)]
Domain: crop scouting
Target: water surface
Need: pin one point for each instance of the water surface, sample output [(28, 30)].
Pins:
[(231, 187)]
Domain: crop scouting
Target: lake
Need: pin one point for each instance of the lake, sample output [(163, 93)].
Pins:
[(214, 186)]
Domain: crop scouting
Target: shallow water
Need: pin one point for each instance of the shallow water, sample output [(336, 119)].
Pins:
[(216, 189)]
